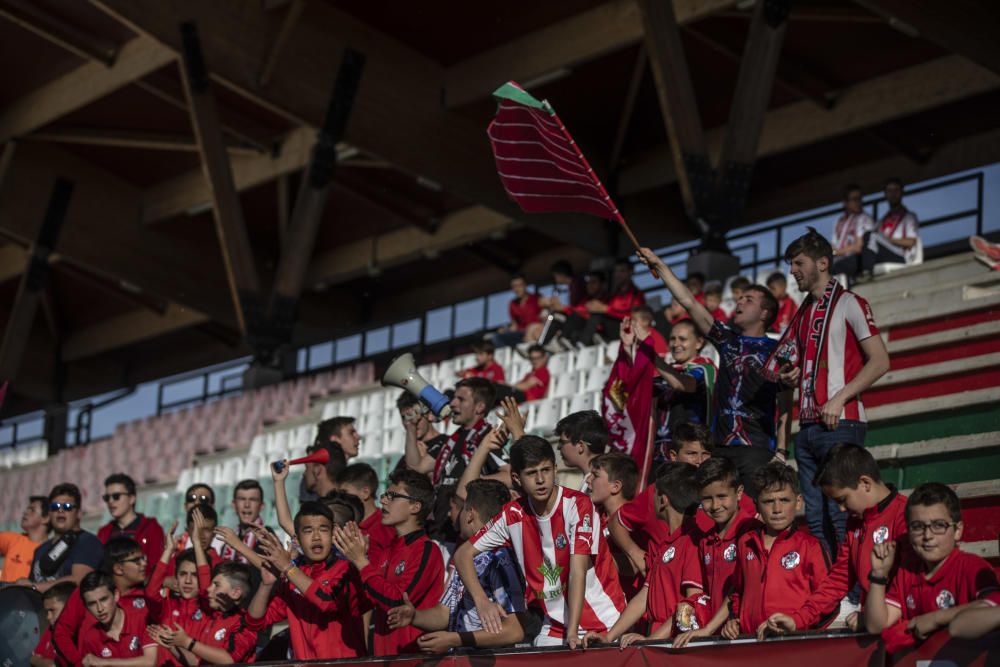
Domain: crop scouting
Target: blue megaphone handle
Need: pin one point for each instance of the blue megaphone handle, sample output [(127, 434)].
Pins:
[(278, 466), (437, 401)]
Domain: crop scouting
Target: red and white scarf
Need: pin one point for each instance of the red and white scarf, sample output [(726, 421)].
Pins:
[(809, 355)]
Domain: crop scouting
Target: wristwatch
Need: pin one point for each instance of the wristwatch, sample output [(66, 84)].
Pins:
[(875, 579)]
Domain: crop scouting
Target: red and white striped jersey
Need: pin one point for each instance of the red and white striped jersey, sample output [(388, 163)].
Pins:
[(850, 323), (544, 544), (849, 228)]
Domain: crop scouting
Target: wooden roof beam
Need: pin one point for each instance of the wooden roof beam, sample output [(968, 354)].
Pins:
[(127, 329), (966, 27), (575, 40), (78, 88), (159, 141), (912, 90), (56, 31)]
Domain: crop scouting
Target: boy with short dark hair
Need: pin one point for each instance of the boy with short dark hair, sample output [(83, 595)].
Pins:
[(200, 528), (120, 498), (454, 622), (53, 600), (486, 366), (569, 573), (876, 514), (721, 493), (412, 564), (248, 501), (119, 636), (361, 480), (320, 598), (583, 436), (935, 580), (778, 284), (226, 637), (612, 480), (674, 574), (790, 560), (181, 607)]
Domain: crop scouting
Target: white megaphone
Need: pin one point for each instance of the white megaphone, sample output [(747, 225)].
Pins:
[(402, 373)]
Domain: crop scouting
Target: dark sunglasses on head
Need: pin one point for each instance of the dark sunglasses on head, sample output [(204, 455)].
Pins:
[(114, 496), (195, 498), (66, 507)]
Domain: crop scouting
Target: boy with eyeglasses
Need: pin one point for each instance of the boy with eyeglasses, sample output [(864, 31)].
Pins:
[(319, 594), (119, 497), (936, 579), (71, 552), (412, 564)]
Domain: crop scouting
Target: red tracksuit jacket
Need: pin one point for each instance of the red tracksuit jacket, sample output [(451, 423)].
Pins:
[(144, 530), (412, 564), (777, 580), (882, 523), (68, 629)]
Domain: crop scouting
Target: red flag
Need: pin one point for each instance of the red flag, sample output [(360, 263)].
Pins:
[(628, 404), (540, 165)]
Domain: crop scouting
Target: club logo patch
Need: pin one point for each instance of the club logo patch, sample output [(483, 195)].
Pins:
[(585, 526), (729, 555), (197, 615), (669, 554), (703, 600), (177, 612), (400, 567), (750, 555), (910, 602), (880, 534), (133, 644), (139, 603), (105, 652), (945, 599), (560, 541), (219, 634), (708, 558), (790, 561)]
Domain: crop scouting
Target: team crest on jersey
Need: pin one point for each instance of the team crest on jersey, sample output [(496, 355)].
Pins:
[(669, 554), (910, 602), (219, 634), (177, 612), (105, 652), (880, 534), (133, 644), (197, 615), (857, 533), (945, 599), (399, 568), (585, 526), (750, 555), (729, 555), (139, 603), (790, 561), (560, 541), (708, 558)]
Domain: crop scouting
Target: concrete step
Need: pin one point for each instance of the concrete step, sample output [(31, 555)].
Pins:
[(935, 447), (940, 369), (955, 336), (938, 271), (920, 406), (938, 301)]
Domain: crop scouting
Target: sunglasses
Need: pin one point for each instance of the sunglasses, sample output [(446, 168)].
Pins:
[(114, 496), (392, 495), (65, 507), (194, 498)]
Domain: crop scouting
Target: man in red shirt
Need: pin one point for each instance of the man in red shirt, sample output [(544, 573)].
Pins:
[(53, 600), (486, 366), (779, 566), (412, 564), (936, 579), (119, 636), (850, 477), (605, 317), (674, 574), (833, 352), (119, 497), (562, 328), (525, 316), (360, 480), (318, 594)]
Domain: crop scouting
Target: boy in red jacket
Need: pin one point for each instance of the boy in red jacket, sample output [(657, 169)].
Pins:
[(412, 563), (119, 497), (850, 477), (318, 593), (935, 581), (53, 600), (118, 636)]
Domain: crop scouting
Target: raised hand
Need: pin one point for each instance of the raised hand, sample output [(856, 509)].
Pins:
[(279, 475), (626, 332), (351, 542), (227, 534), (512, 417), (883, 556)]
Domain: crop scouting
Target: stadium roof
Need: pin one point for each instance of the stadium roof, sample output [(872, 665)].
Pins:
[(93, 92)]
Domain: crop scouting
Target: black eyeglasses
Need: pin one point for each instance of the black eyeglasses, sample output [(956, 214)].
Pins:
[(938, 527), (195, 498), (114, 496), (65, 507), (136, 559), (392, 495)]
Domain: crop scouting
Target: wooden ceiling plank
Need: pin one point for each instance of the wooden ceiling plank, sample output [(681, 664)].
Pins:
[(127, 329), (912, 90), (34, 19), (147, 140), (82, 86), (575, 40)]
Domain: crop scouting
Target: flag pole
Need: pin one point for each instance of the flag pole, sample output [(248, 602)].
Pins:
[(593, 178), (648, 456)]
